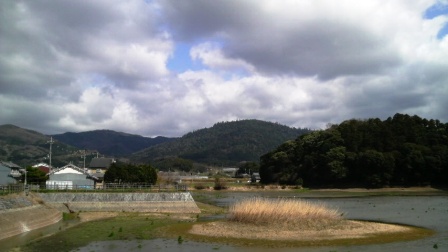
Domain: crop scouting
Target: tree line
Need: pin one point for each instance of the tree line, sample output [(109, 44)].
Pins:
[(402, 150), (130, 173)]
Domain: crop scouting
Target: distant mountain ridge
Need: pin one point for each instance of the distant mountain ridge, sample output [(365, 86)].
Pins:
[(109, 142), (27, 147), (226, 143)]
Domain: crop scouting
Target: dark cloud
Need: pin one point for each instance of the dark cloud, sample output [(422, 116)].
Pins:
[(316, 47), (202, 19)]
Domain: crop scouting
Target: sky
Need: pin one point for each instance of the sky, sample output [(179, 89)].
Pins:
[(167, 67)]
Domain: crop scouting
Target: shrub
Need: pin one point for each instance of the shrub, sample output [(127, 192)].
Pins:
[(199, 187), (219, 184), (283, 212)]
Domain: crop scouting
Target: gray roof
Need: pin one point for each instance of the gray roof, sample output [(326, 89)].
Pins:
[(98, 175), (103, 163), (74, 167), (9, 164), (5, 176)]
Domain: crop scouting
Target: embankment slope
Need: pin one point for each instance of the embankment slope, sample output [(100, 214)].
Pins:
[(20, 213)]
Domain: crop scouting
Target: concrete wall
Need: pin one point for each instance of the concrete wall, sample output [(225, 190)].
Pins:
[(122, 202)]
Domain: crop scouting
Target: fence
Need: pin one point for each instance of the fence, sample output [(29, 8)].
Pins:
[(12, 188), (107, 187)]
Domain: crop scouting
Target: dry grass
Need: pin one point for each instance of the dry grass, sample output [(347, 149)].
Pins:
[(283, 212)]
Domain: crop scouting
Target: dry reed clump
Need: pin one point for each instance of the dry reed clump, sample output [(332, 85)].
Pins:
[(284, 212)]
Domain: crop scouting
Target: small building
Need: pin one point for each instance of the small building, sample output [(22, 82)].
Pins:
[(255, 178), (10, 173), (43, 167), (230, 171), (98, 167), (70, 177)]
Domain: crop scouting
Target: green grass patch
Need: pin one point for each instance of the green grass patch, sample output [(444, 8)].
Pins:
[(69, 216), (124, 227)]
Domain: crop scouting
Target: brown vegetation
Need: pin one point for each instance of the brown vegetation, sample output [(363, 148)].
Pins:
[(283, 212)]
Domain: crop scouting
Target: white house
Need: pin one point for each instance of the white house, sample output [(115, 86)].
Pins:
[(70, 177)]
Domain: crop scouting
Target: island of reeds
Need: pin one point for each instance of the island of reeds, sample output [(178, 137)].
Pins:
[(284, 213), (296, 222)]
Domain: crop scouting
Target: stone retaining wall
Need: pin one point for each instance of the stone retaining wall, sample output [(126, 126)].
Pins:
[(122, 202), (12, 201)]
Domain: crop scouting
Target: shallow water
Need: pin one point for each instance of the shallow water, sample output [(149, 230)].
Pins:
[(424, 211)]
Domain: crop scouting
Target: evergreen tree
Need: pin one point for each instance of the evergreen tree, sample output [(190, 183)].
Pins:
[(403, 151)]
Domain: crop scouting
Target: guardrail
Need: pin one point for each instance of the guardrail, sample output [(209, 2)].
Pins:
[(108, 187)]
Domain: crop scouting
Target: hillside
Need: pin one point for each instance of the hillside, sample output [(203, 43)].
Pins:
[(226, 143), (26, 147), (110, 143), (400, 151)]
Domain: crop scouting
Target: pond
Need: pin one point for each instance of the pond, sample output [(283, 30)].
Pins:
[(424, 211)]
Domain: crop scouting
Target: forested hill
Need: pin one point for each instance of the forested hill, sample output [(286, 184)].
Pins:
[(226, 143), (27, 147), (109, 142), (400, 151)]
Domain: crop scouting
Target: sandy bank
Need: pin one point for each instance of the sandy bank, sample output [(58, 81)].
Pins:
[(347, 229)]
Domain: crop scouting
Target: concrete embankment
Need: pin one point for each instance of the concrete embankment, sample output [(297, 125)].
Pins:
[(122, 202), (20, 213)]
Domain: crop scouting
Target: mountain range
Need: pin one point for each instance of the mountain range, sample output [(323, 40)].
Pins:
[(224, 143)]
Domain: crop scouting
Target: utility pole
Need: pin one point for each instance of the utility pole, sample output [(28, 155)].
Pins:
[(25, 187), (84, 156), (51, 143)]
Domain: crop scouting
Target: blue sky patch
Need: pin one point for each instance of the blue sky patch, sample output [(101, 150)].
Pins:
[(181, 60), (438, 9)]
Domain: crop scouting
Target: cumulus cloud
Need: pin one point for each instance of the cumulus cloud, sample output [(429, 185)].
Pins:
[(84, 65)]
